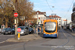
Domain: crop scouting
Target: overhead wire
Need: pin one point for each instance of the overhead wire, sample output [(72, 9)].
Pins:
[(69, 8), (49, 5)]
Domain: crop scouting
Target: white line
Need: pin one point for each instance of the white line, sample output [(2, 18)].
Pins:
[(64, 43)]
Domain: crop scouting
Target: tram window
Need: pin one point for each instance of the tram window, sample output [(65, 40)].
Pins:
[(50, 26)]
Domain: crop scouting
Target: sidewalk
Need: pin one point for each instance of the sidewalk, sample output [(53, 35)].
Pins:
[(25, 38), (73, 33)]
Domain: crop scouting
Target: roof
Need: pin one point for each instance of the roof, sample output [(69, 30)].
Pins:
[(64, 20), (40, 12), (54, 16)]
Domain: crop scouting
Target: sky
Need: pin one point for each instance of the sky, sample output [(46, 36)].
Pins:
[(62, 8)]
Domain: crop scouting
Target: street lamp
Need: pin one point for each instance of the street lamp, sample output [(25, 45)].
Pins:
[(55, 16), (37, 22)]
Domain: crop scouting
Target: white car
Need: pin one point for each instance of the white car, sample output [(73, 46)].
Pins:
[(0, 29), (3, 31), (24, 30)]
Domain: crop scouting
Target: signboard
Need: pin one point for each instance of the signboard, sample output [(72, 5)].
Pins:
[(15, 14), (22, 18), (39, 21), (19, 29)]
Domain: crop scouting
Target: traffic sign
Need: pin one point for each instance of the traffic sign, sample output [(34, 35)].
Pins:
[(15, 14), (19, 29)]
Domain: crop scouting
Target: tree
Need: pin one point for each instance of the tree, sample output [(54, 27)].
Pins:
[(7, 12), (24, 8)]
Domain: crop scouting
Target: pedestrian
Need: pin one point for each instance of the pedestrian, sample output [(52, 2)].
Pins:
[(38, 29), (72, 28), (2, 26)]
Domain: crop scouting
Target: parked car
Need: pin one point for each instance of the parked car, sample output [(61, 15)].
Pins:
[(0, 30), (13, 31), (24, 30), (7, 31), (31, 30), (3, 31)]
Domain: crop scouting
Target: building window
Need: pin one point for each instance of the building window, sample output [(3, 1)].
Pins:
[(59, 24), (59, 19)]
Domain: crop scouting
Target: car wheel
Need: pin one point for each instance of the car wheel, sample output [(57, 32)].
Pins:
[(27, 33), (11, 33), (32, 31), (4, 34)]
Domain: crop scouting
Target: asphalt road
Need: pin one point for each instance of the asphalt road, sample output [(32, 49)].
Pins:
[(65, 41), (5, 37)]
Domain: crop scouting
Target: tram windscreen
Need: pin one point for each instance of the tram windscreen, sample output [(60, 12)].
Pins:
[(50, 26)]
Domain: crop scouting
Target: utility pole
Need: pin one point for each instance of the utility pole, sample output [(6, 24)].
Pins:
[(37, 22), (16, 20)]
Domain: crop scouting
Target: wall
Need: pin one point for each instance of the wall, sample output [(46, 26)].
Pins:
[(41, 16)]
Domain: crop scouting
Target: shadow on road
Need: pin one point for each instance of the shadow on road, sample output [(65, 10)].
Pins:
[(41, 35)]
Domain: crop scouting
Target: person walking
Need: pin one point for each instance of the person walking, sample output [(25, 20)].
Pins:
[(72, 28), (2, 26)]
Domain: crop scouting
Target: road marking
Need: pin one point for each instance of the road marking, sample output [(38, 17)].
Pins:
[(64, 34), (64, 43), (71, 34)]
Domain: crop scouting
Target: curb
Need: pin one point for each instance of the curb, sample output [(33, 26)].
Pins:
[(25, 38), (21, 40), (2, 42), (71, 33)]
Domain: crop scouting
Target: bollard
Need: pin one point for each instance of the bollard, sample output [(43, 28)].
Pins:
[(18, 36), (19, 30)]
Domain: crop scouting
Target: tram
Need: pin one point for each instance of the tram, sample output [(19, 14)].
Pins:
[(50, 28)]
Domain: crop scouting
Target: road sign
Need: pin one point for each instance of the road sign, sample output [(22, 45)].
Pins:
[(19, 29), (22, 18), (15, 14)]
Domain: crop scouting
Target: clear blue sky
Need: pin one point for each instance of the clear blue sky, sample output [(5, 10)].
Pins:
[(61, 7)]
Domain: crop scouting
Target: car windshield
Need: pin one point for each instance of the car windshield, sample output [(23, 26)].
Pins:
[(22, 27), (4, 28), (13, 29), (8, 29)]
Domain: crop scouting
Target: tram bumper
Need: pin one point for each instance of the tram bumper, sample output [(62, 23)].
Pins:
[(50, 35)]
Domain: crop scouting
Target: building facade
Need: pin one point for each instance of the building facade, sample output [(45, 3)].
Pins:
[(65, 21), (40, 16), (54, 16)]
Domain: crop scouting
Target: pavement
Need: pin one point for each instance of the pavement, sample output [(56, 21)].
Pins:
[(72, 33), (65, 41), (3, 38), (25, 38)]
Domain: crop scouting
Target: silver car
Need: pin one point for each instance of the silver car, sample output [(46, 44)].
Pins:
[(0, 29), (24, 30), (3, 31)]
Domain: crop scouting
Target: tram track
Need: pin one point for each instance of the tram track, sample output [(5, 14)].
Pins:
[(68, 40), (69, 33), (48, 39)]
